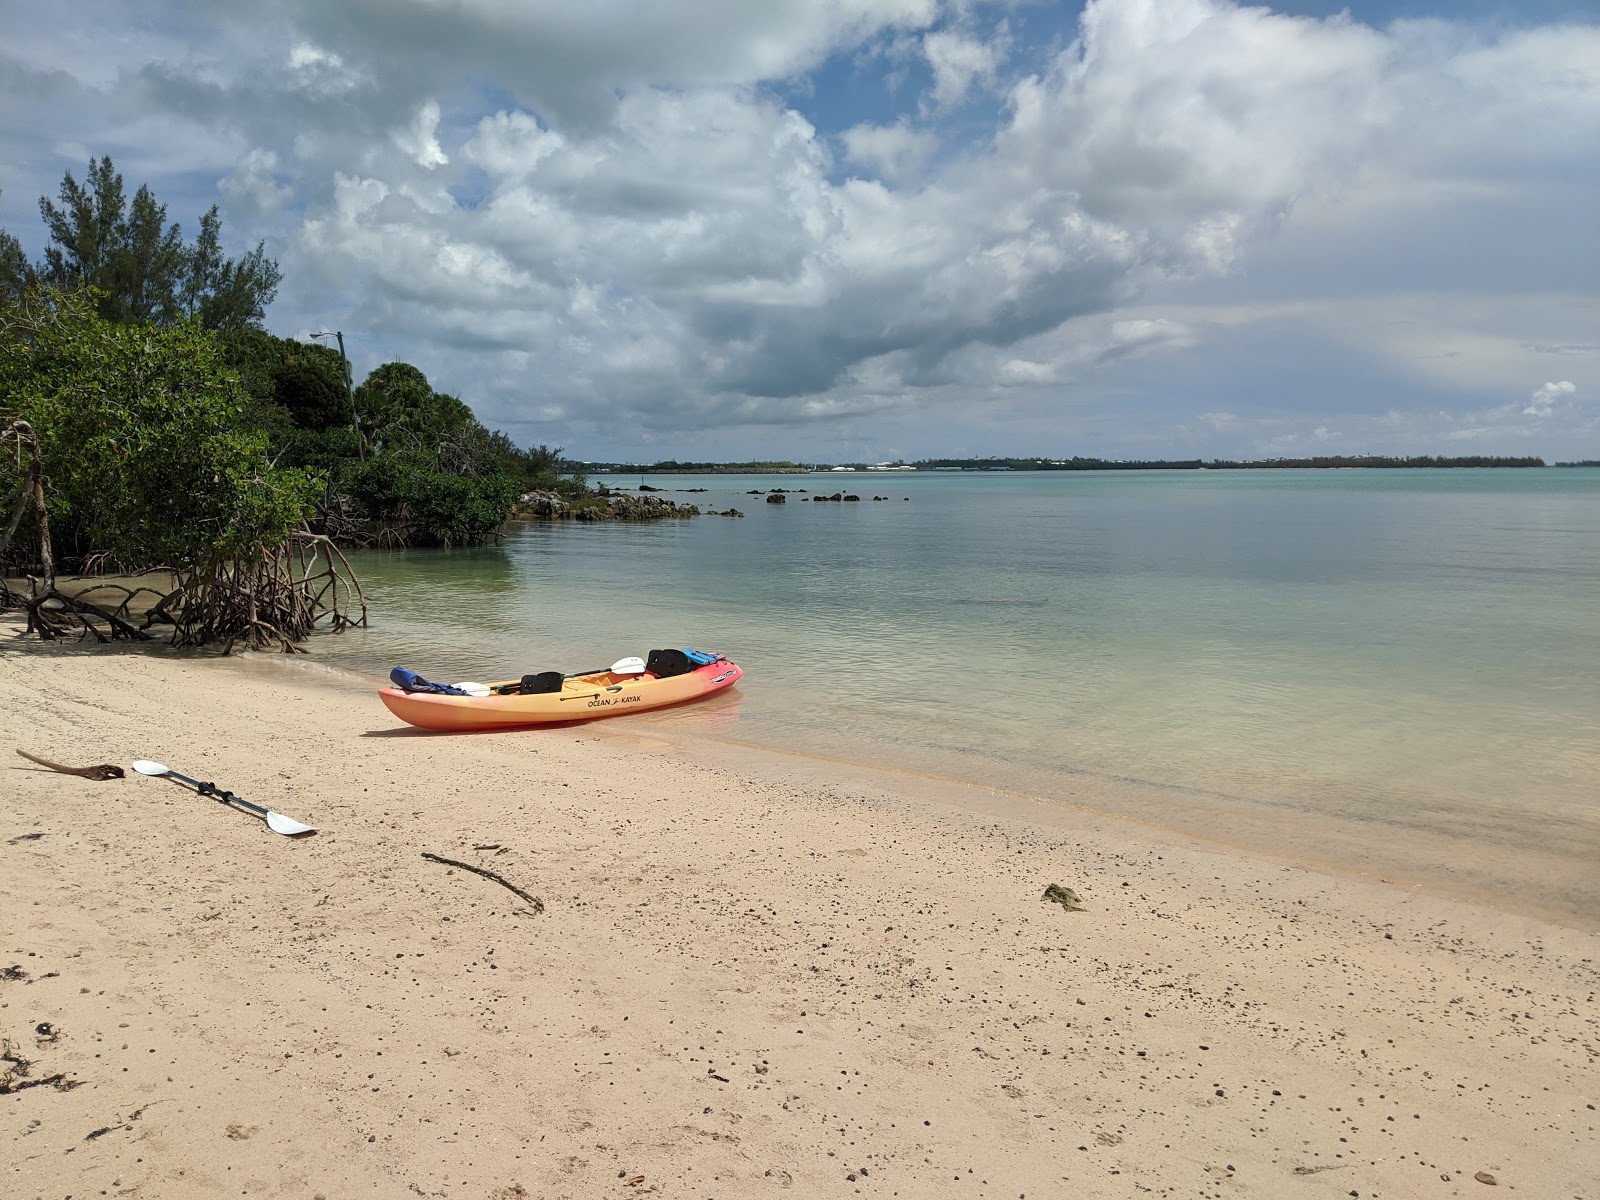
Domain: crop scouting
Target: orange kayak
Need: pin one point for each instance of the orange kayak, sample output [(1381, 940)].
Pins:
[(581, 698)]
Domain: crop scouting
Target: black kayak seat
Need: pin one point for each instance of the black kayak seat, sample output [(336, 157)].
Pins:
[(540, 684)]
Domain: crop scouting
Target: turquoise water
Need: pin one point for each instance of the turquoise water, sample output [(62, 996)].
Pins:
[(1396, 670)]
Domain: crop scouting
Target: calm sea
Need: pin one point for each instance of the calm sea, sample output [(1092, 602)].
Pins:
[(1391, 671)]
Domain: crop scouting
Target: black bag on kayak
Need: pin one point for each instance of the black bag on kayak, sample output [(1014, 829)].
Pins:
[(664, 664), (540, 684)]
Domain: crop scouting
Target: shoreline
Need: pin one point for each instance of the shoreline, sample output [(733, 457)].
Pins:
[(1120, 820), (752, 974), (1538, 880)]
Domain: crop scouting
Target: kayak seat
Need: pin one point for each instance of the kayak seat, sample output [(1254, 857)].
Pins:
[(541, 684), (664, 664)]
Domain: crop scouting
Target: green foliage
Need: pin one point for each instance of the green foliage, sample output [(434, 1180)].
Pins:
[(176, 429), (222, 293), (139, 430), (16, 273), (305, 381), (396, 489), (542, 462), (540, 469), (325, 451), (313, 393), (140, 266), (399, 412), (434, 473)]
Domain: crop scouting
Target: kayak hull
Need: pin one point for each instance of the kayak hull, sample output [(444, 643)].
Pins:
[(581, 698)]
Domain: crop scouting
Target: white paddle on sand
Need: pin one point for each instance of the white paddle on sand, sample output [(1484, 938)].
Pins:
[(276, 822)]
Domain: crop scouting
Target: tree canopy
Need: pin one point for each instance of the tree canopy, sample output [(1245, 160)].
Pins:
[(130, 438), (16, 272), (403, 463), (140, 267), (155, 423), (435, 473), (139, 433)]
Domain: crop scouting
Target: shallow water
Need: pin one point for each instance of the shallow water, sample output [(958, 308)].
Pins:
[(1393, 671)]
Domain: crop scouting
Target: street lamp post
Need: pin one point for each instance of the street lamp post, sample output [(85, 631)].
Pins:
[(349, 390)]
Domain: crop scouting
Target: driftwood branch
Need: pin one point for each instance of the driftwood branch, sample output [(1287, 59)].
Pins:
[(99, 771), (534, 902)]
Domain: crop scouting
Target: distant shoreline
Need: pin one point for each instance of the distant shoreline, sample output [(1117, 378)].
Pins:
[(1006, 465)]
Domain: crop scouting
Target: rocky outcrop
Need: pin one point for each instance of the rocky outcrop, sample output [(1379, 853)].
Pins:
[(541, 504), (608, 506)]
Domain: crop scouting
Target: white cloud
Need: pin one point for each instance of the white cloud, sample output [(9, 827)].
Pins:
[(897, 153), (960, 62), (319, 73), (511, 144), (668, 220), (420, 140), (306, 57), (1024, 371), (1511, 428), (1543, 402), (253, 186), (1161, 145), (1200, 121)]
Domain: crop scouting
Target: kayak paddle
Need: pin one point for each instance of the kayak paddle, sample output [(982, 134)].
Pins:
[(276, 822), (623, 666)]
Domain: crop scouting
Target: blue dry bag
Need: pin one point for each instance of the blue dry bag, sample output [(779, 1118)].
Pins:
[(410, 681)]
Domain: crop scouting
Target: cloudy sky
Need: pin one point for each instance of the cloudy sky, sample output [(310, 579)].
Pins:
[(847, 230)]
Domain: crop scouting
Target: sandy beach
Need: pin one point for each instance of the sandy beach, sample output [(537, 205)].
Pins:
[(752, 975)]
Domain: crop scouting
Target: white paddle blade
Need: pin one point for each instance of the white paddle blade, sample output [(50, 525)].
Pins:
[(473, 689), (628, 666), (145, 767), (287, 826)]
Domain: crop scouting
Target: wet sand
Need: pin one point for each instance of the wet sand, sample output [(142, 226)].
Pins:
[(753, 975)]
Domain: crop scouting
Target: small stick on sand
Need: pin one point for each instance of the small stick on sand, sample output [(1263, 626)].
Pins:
[(99, 771), (536, 903)]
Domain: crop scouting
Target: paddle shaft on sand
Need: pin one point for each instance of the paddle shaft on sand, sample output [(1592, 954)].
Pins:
[(277, 822), (211, 789)]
